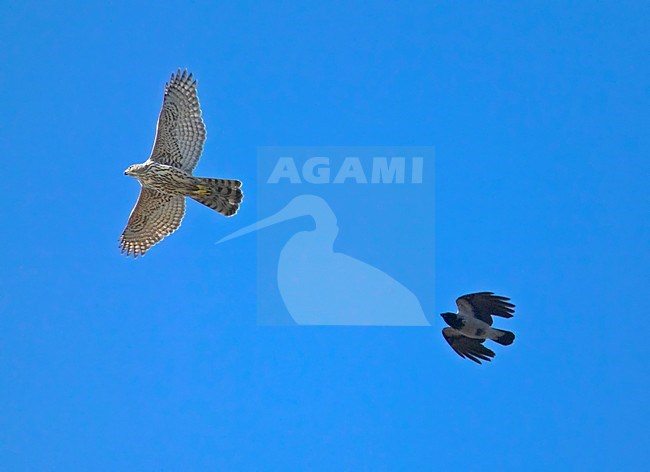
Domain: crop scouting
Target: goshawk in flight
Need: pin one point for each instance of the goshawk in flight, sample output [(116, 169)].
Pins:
[(472, 325), (166, 177)]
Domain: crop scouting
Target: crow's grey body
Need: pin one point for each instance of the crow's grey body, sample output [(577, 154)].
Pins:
[(475, 328)]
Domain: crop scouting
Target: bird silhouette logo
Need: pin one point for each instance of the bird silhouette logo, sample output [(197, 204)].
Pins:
[(320, 286)]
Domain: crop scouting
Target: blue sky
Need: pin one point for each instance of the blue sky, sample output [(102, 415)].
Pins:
[(538, 112)]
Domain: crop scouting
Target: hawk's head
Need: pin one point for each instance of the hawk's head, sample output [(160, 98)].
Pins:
[(133, 170)]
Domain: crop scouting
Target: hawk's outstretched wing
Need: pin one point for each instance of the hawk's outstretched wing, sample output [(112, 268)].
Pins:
[(154, 216), (465, 347), (483, 305), (180, 133)]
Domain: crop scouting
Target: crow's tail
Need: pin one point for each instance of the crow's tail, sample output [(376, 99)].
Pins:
[(504, 337)]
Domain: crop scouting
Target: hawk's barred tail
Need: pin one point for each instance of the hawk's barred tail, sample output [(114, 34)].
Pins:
[(219, 194), (505, 337)]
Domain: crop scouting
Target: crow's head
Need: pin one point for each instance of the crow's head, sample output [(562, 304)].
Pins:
[(452, 320)]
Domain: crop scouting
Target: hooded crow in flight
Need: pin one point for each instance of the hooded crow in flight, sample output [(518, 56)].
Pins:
[(472, 325)]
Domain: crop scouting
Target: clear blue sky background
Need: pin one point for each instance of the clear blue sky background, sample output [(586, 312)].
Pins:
[(539, 114)]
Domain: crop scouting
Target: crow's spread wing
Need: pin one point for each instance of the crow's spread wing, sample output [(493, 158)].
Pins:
[(483, 305), (465, 347)]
